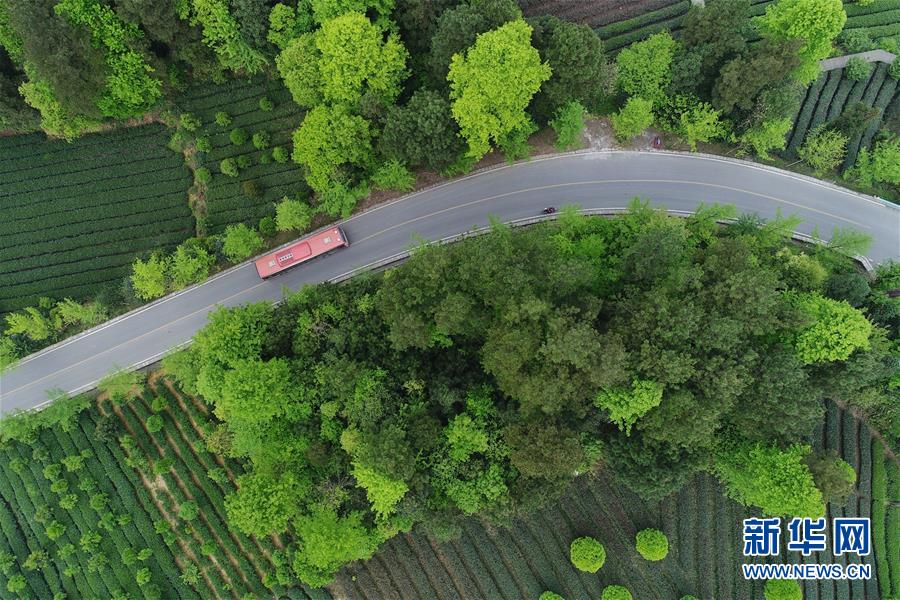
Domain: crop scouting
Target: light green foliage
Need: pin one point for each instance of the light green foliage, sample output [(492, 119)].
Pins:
[(777, 481), (9, 39), (355, 59), (287, 23), (154, 423), (329, 138), (858, 69), (491, 86), (130, 90), (836, 330), (280, 154), (255, 391), (70, 312), (189, 122), (9, 355), (148, 277), (55, 530), (881, 164), (645, 67), (261, 140), (823, 150), (298, 65), (121, 384), (894, 69), (465, 437), (615, 592), (393, 175), (266, 104), (652, 544), (55, 119), (324, 10), (816, 22), (228, 166), (587, 554), (783, 589), (550, 596), (142, 577), (339, 200), (223, 119), (625, 406), (568, 123), (264, 504), (238, 136), (701, 123), (30, 322), (330, 541), (222, 33), (189, 264), (767, 136), (240, 242), (633, 118), (16, 584), (292, 214), (383, 492), (188, 511)]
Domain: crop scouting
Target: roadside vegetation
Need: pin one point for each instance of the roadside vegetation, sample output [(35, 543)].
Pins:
[(443, 391), (383, 436)]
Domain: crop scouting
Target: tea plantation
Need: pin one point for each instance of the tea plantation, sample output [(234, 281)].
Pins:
[(74, 215), (531, 555)]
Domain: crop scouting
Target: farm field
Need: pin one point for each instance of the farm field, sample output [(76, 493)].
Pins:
[(74, 215), (144, 479), (531, 556), (226, 202), (832, 93)]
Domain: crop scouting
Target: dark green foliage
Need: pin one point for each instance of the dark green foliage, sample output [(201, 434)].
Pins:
[(60, 54), (743, 78), (855, 119), (238, 136), (712, 36), (422, 133), (850, 286), (580, 71)]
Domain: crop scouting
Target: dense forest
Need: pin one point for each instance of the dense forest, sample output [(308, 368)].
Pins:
[(480, 378)]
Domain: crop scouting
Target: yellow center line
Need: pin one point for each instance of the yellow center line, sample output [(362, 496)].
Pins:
[(443, 211)]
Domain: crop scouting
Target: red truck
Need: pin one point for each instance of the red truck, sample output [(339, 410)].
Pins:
[(301, 251)]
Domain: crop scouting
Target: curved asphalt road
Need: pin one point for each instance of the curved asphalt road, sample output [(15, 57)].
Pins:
[(593, 180)]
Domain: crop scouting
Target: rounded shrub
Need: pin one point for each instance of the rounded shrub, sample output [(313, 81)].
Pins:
[(783, 589), (894, 69), (550, 596), (652, 544), (265, 158), (689, 597), (238, 136), (857, 69), (615, 592), (587, 554), (252, 189), (280, 154), (222, 119), (203, 144), (261, 140), (202, 175), (229, 167), (265, 104), (154, 423), (244, 161)]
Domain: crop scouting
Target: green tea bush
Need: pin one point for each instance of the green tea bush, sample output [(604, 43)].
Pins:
[(587, 554), (783, 589), (238, 136), (615, 592), (652, 544), (222, 119)]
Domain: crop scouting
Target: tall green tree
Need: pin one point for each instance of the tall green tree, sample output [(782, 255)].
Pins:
[(579, 69), (329, 140), (816, 22), (492, 85), (645, 67)]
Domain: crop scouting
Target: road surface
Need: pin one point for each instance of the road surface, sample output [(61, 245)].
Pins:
[(593, 180)]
